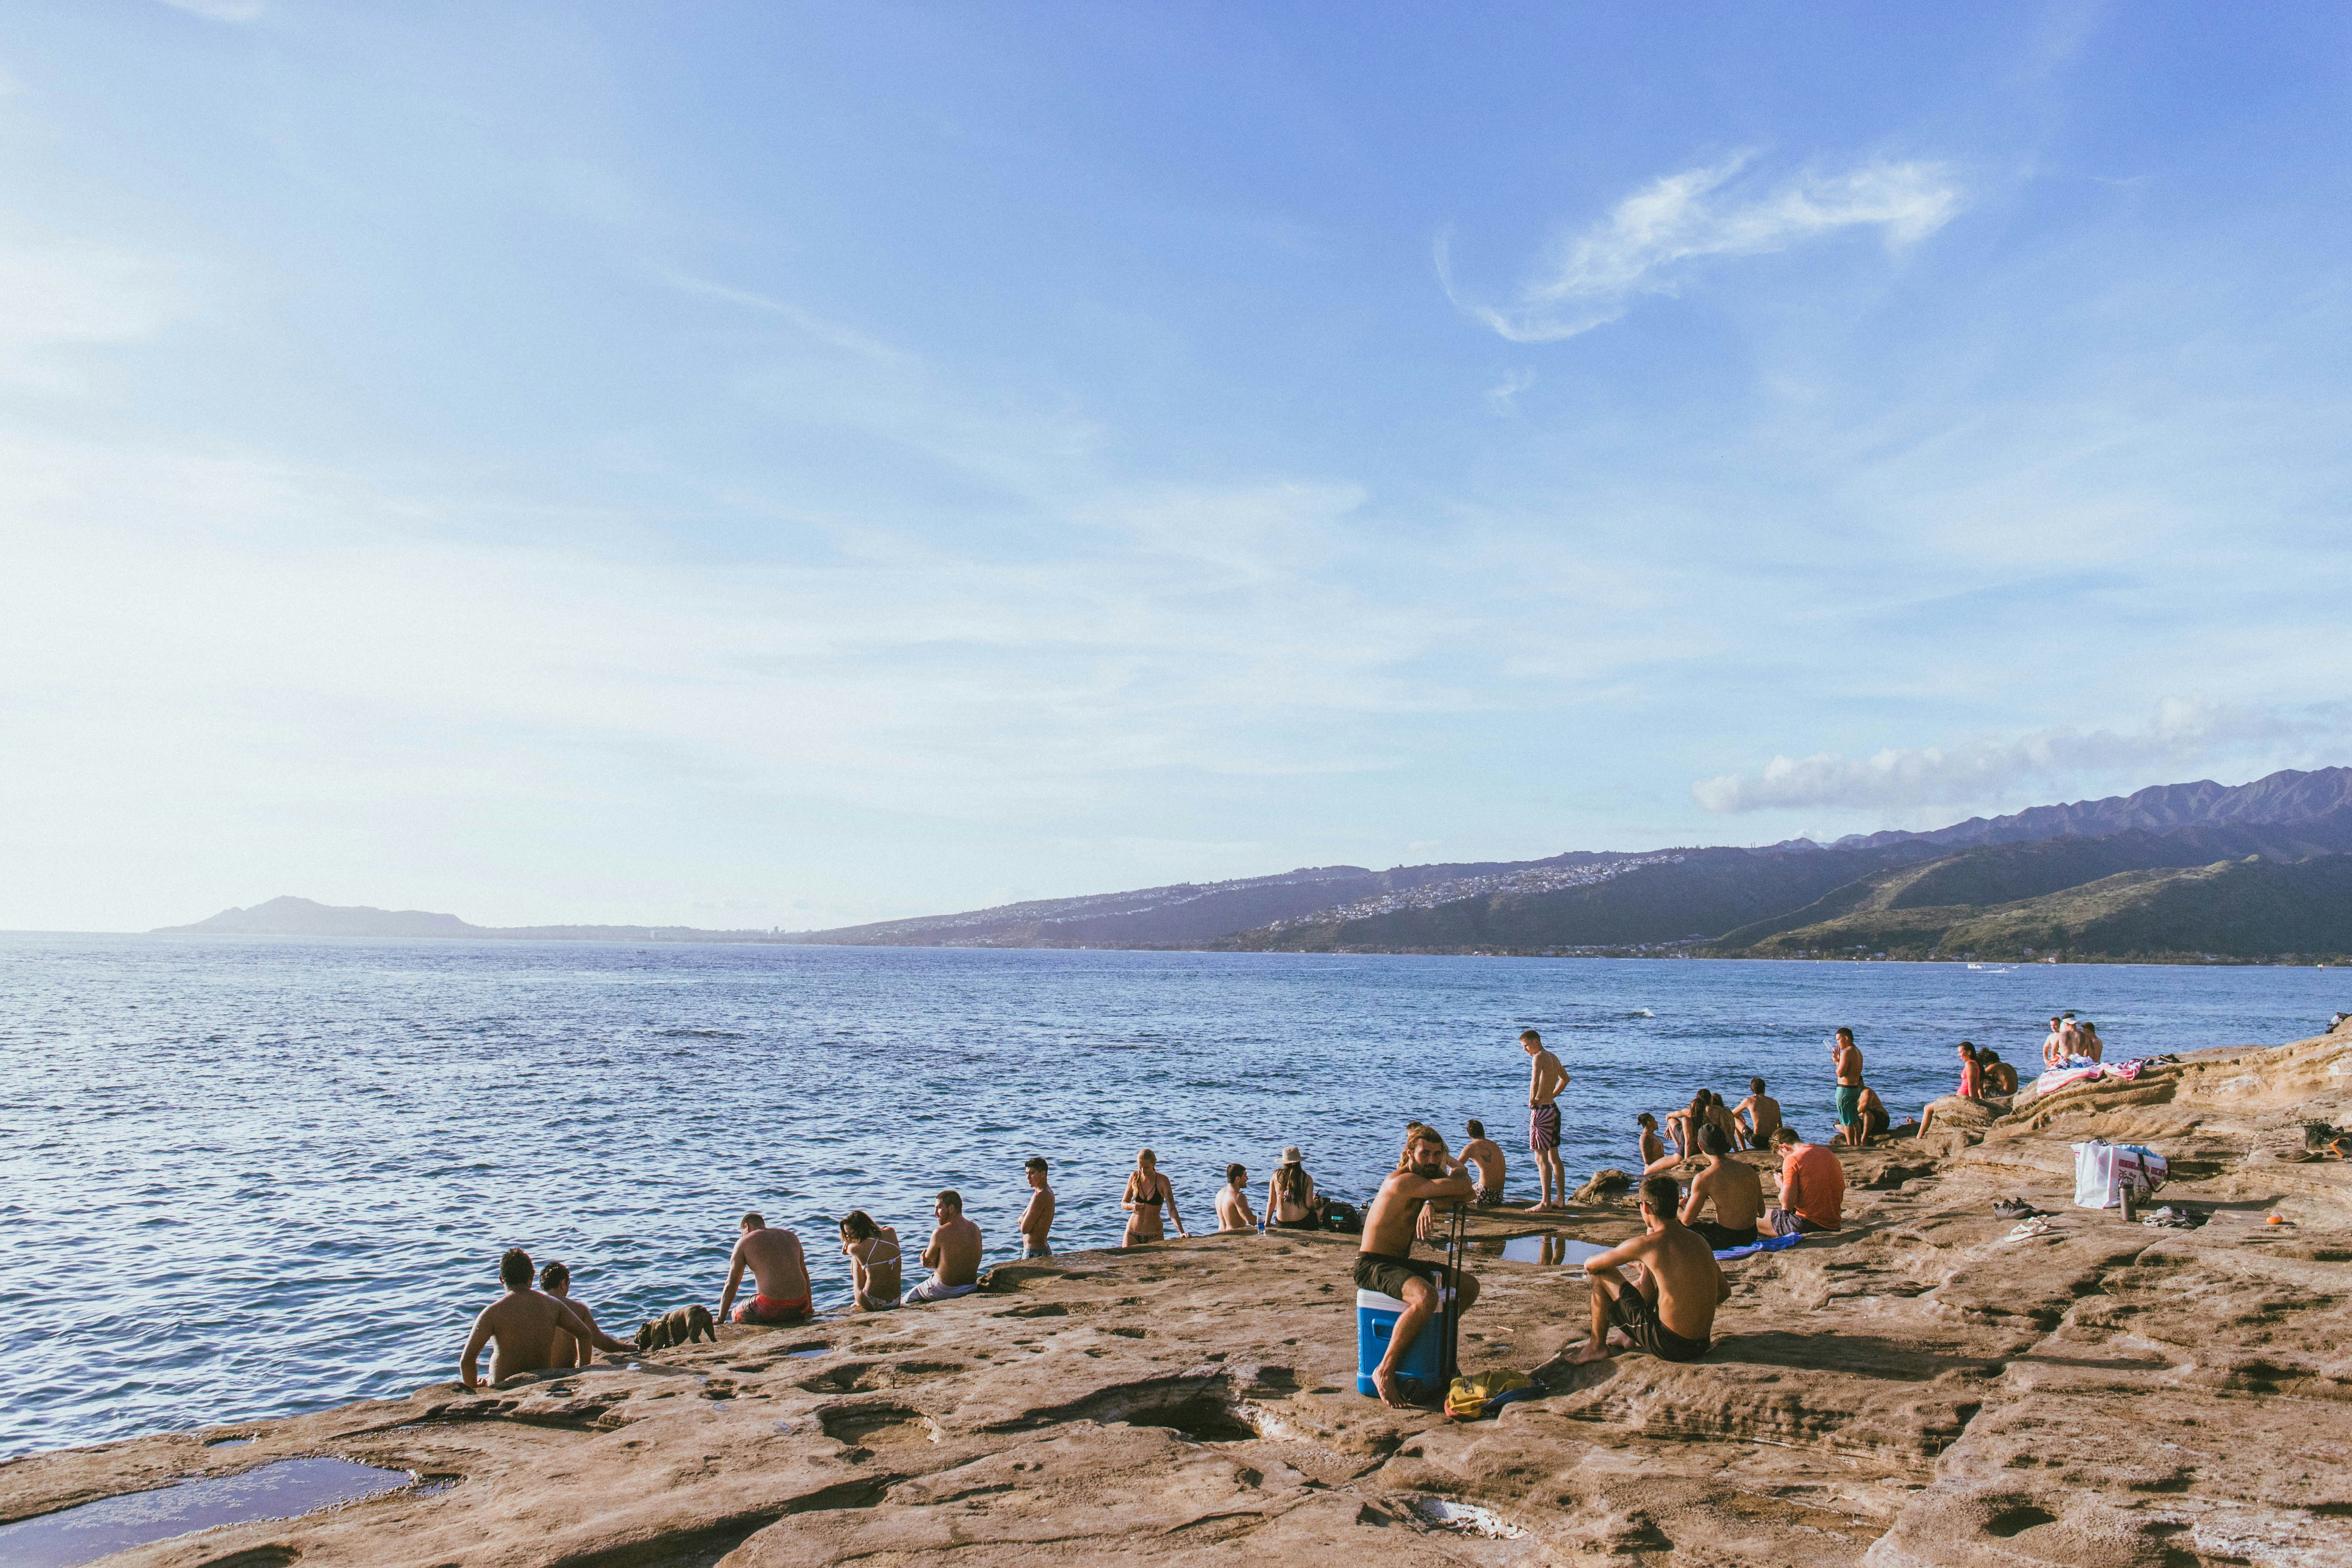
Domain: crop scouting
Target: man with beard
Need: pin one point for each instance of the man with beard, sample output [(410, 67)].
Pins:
[(1384, 1262)]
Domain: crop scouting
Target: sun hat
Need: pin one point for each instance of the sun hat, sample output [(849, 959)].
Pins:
[(1291, 1156)]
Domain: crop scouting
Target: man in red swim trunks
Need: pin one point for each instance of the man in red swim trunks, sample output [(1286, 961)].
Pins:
[(775, 1261)]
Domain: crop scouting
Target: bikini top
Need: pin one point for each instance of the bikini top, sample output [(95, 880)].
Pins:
[(1147, 1199)]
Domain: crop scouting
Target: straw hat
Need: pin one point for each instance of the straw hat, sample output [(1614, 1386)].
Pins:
[(1291, 1156)]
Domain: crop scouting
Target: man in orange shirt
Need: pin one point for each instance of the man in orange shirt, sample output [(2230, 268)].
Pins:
[(1812, 1182)]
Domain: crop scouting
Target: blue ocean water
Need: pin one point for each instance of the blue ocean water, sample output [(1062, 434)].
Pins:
[(243, 1178)]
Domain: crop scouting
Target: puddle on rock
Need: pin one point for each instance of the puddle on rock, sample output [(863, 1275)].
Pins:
[(284, 1490), (1553, 1247)]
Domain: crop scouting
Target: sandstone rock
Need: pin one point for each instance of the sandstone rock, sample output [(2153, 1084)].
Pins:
[(1924, 1389)]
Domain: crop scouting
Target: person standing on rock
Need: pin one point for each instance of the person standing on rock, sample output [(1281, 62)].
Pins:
[(523, 1324), (1147, 1188), (1384, 1260), (1734, 1188), (1546, 1078), (1671, 1313), (953, 1256), (1038, 1219), (1846, 1058), (776, 1263)]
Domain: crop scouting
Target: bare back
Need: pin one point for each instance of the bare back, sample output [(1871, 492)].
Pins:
[(523, 1325), (879, 1258), (1680, 1274), (1487, 1155), (1735, 1189), (565, 1350), (774, 1258), (954, 1252), (1763, 1114)]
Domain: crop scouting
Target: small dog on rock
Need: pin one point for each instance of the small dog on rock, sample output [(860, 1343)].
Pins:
[(681, 1327)]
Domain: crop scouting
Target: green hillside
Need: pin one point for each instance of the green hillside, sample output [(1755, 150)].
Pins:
[(2248, 909)]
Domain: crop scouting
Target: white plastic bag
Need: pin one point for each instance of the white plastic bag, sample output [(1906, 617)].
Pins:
[(2096, 1186)]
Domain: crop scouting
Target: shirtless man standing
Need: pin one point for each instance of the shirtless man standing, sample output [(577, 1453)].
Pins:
[(1038, 1219), (1671, 1313), (774, 1258), (1546, 1078), (524, 1324), (1757, 1114), (1384, 1260), (1488, 1156), (1736, 1190), (1846, 1056), (953, 1256)]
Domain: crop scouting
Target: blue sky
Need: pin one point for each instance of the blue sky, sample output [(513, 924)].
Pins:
[(764, 465)]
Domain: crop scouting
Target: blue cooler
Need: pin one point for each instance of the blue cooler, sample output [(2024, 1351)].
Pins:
[(1376, 1317)]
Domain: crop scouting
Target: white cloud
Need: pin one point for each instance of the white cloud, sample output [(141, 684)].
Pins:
[(1502, 397), (1648, 243), (220, 10), (2183, 732)]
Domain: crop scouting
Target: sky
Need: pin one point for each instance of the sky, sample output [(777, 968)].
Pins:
[(780, 466)]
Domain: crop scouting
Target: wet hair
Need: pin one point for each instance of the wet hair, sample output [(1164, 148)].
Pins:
[(859, 1225), (1712, 1141), (1846, 1033), (1755, 1086), (1531, 1034), (754, 1222), (951, 1197), (1661, 1194), (514, 1267), (1145, 1157), (1036, 1162), (1648, 1120), (1237, 1172), (1784, 1133), (1477, 1129), (1986, 1055), (553, 1277)]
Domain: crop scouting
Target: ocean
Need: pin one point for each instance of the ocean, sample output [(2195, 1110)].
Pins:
[(243, 1178)]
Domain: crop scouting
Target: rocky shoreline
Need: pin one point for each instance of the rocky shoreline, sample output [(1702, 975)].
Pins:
[(1923, 1388)]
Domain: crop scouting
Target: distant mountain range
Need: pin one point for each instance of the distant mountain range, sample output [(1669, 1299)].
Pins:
[(2189, 872)]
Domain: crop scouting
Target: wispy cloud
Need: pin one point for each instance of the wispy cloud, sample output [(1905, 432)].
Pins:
[(1651, 240), (57, 293), (849, 339), (220, 10), (2185, 731), (1503, 396)]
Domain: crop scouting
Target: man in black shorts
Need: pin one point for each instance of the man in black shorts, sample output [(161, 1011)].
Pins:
[(1670, 1311), (1385, 1261)]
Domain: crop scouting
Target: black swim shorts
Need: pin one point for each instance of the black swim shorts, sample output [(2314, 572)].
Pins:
[(1386, 1274), (1638, 1316), (1721, 1237)]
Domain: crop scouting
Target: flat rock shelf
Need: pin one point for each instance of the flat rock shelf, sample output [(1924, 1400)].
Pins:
[(1930, 1385)]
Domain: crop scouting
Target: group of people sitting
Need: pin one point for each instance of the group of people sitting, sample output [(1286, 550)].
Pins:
[(2072, 1042)]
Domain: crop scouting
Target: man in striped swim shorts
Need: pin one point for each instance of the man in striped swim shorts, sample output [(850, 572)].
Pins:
[(1546, 1078)]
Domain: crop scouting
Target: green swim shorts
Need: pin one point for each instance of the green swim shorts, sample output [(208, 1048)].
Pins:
[(1849, 1105)]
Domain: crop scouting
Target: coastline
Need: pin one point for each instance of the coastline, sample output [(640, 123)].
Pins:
[(1920, 1388)]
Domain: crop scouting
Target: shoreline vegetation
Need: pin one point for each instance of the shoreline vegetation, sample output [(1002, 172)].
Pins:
[(1931, 1387)]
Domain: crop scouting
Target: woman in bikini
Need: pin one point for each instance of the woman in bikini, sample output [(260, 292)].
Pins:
[(873, 1253), (1147, 1189), (1971, 1084), (1290, 1195)]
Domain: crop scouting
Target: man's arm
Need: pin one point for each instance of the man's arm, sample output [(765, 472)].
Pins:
[(1409, 1186), (1624, 1252), (1702, 1187), (469, 1368), (734, 1282), (585, 1331), (930, 1257)]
